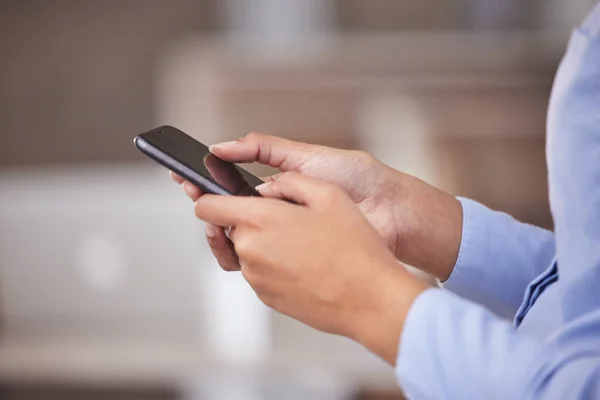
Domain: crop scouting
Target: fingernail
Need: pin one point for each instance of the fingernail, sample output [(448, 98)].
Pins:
[(222, 145), (263, 186), (211, 232), (187, 188)]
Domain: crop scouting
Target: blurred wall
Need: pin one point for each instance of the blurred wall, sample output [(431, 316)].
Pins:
[(76, 76)]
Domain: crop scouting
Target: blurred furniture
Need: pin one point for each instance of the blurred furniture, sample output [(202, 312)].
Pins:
[(449, 107)]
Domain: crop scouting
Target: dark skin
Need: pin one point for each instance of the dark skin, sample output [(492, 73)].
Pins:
[(329, 258)]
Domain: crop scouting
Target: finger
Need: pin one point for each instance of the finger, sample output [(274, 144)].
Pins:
[(177, 178), (299, 188), (266, 149), (222, 248), (191, 190), (270, 178), (233, 210)]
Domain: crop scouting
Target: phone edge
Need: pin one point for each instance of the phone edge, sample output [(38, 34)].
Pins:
[(171, 163)]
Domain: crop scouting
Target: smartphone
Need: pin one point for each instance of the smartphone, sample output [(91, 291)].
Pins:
[(191, 159)]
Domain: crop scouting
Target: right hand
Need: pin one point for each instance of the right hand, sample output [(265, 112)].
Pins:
[(420, 224)]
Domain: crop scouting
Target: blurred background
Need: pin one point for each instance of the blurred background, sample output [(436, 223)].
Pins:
[(107, 290)]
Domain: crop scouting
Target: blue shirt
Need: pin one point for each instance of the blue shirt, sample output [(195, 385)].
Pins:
[(547, 283)]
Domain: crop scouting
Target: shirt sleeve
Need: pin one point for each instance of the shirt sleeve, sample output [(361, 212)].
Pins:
[(498, 258), (454, 349)]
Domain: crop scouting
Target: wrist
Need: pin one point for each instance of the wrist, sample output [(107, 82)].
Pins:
[(379, 328), (429, 227)]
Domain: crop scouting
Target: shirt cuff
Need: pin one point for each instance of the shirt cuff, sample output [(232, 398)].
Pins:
[(474, 270), (472, 244)]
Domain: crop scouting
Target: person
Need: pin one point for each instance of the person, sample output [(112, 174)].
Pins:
[(330, 256)]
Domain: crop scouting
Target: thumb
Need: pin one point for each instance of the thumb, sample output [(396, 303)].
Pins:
[(274, 151), (301, 189)]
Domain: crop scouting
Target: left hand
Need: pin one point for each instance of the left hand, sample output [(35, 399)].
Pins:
[(318, 260)]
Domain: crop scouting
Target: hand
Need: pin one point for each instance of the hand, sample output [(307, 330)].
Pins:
[(420, 224), (318, 261)]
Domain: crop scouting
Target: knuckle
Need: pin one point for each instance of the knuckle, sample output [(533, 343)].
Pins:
[(361, 158), (243, 246), (216, 243), (227, 266), (253, 136), (366, 157)]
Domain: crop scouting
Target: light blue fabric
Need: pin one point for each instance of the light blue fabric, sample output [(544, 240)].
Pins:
[(548, 284)]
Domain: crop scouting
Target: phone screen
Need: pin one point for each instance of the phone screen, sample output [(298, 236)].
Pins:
[(173, 144), (232, 178)]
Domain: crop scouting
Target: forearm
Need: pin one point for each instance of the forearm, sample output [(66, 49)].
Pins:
[(481, 254)]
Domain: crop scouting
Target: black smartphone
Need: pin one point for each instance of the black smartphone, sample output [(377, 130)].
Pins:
[(191, 159)]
